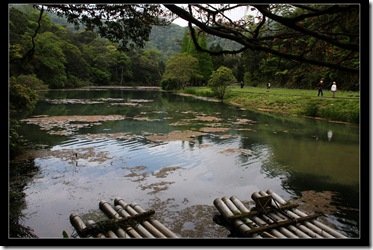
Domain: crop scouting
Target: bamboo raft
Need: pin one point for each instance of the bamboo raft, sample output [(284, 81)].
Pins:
[(271, 217), (124, 221)]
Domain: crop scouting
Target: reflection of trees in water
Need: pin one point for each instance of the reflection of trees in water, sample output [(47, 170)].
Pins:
[(346, 198), (20, 174)]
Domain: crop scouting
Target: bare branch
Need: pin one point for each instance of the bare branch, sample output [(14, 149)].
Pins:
[(292, 23), (31, 52)]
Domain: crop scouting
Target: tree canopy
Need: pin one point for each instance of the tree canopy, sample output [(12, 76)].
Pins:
[(325, 35)]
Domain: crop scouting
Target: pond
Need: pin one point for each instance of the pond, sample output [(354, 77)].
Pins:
[(176, 154)]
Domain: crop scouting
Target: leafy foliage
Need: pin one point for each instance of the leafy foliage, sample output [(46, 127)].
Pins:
[(181, 69), (220, 80), (22, 96), (107, 20), (50, 70)]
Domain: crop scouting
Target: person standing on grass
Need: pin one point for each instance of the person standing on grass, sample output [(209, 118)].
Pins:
[(320, 86), (334, 88)]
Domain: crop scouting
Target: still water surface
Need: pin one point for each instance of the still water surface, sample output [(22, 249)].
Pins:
[(176, 154)]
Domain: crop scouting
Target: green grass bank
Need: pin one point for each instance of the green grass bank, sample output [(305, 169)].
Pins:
[(344, 107)]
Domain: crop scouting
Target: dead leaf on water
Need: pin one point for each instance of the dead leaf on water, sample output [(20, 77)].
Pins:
[(163, 172), (319, 202), (138, 173), (244, 121), (236, 151), (157, 187), (186, 135), (207, 118), (213, 130)]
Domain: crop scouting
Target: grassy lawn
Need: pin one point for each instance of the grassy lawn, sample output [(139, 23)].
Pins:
[(295, 102)]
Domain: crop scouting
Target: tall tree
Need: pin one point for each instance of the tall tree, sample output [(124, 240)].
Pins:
[(205, 63), (182, 69), (51, 71), (147, 67)]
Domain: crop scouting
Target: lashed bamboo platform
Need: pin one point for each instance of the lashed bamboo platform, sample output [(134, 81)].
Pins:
[(124, 221), (271, 217)]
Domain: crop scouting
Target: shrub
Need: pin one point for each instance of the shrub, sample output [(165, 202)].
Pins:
[(170, 84), (311, 109), (220, 80), (21, 96)]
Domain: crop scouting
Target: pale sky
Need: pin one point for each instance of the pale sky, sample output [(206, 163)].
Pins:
[(234, 14)]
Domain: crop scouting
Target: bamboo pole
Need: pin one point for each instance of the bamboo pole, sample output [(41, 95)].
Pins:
[(222, 208), (294, 229), (321, 227), (277, 232), (130, 230), (243, 225), (77, 223), (248, 222), (306, 227), (112, 214), (100, 235), (153, 230), (231, 206), (239, 204), (162, 228), (111, 234), (139, 228), (244, 209), (288, 233), (108, 210), (283, 231), (238, 224), (277, 219), (307, 224)]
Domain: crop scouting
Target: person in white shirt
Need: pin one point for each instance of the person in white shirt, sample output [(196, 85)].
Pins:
[(334, 88)]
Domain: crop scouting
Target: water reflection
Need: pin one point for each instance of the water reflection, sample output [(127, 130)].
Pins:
[(330, 135)]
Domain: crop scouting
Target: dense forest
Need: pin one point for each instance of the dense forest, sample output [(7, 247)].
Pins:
[(67, 58)]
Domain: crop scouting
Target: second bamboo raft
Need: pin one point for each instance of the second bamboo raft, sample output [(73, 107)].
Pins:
[(272, 217)]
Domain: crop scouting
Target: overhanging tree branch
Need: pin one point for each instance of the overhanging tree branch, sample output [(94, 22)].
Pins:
[(292, 23), (248, 43)]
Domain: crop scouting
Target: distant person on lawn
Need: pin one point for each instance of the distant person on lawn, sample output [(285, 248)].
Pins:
[(320, 87), (334, 88), (242, 84)]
